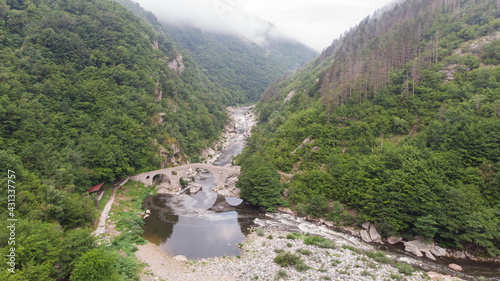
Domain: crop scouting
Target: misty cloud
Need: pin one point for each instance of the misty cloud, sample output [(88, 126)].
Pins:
[(313, 22)]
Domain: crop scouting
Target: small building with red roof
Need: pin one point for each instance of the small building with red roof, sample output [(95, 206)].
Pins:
[(96, 188)]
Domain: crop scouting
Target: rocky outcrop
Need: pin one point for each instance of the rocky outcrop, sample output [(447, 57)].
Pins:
[(174, 157), (438, 251), (374, 235), (177, 65), (158, 93), (394, 240), (365, 236), (290, 95), (418, 247), (370, 234), (308, 140), (413, 247)]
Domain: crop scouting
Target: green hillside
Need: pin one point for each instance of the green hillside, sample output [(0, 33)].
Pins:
[(398, 121), (87, 96), (238, 65)]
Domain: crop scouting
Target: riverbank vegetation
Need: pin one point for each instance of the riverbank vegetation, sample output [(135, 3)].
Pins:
[(397, 123)]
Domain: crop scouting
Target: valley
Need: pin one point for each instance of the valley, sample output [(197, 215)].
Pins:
[(219, 152)]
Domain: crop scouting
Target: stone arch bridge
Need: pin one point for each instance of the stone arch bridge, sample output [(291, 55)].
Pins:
[(168, 178)]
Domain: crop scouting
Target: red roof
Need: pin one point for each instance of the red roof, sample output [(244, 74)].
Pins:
[(95, 188)]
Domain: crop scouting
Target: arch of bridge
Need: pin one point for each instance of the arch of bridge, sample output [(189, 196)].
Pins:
[(171, 176)]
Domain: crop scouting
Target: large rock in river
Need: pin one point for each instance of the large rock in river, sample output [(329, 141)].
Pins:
[(374, 234), (365, 236)]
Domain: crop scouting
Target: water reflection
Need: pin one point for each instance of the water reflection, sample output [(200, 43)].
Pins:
[(197, 233)]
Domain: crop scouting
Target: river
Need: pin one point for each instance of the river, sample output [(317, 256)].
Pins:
[(205, 224)]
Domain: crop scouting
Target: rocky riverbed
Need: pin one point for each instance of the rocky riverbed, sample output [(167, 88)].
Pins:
[(233, 138), (257, 262)]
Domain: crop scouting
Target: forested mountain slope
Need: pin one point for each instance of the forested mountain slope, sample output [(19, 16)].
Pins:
[(399, 121), (238, 65), (88, 93)]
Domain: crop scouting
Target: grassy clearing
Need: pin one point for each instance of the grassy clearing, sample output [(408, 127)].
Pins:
[(127, 216)]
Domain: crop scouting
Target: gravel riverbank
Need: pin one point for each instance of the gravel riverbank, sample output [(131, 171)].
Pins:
[(257, 262)]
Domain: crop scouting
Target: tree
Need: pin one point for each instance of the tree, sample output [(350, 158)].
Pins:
[(95, 265), (260, 185)]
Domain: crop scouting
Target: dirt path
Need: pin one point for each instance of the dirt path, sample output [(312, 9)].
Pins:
[(101, 227)]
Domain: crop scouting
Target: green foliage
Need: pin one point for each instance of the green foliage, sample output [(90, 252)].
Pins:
[(281, 274), (319, 241), (287, 259), (379, 257), (305, 252), (490, 53), (97, 264), (79, 103), (183, 182), (301, 266), (318, 206), (404, 268), (336, 213), (261, 184), (426, 226)]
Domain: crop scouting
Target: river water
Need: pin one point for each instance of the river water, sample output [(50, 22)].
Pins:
[(205, 224)]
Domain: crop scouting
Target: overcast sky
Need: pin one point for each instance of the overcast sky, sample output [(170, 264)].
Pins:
[(313, 22)]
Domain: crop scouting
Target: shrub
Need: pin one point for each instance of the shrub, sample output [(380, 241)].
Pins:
[(336, 214), (96, 264), (281, 274), (260, 231), (287, 259), (319, 241), (318, 206), (183, 182), (405, 268), (336, 262), (301, 209), (305, 252), (379, 257), (301, 266)]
